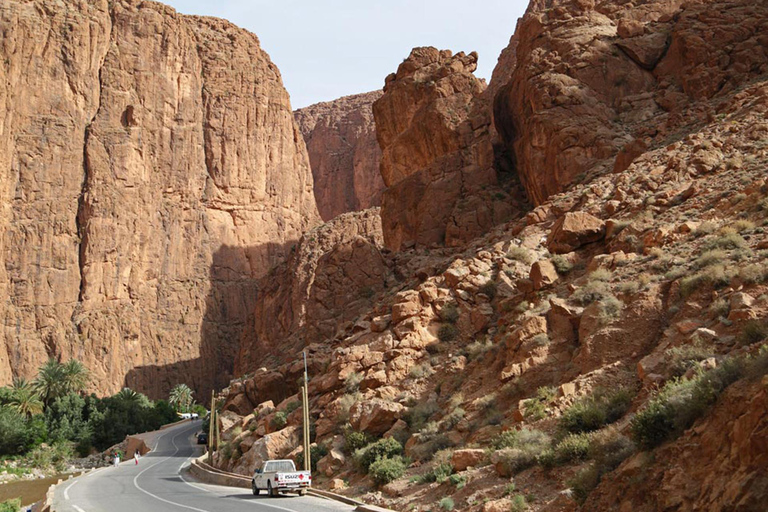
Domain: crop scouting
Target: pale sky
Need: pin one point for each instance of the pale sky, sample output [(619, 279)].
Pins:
[(326, 49)]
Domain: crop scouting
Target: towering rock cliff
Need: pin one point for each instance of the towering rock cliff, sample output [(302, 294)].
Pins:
[(150, 172), (437, 153), (343, 153)]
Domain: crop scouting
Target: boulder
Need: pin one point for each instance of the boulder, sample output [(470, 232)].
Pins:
[(573, 230), (375, 416), (463, 459), (543, 274)]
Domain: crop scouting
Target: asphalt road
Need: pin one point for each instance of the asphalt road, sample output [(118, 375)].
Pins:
[(160, 483)]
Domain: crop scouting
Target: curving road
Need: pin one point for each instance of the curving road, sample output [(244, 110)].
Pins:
[(160, 483)]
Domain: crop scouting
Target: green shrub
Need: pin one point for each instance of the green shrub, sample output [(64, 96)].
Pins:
[(54, 456), (384, 470), (437, 474), (680, 359), (459, 481), (742, 225), (572, 447), (453, 418), (720, 307), (541, 340), (387, 447), (447, 332), (754, 331), (727, 239), (317, 452), (450, 313), (418, 415), (610, 308), (279, 421), (607, 450), (709, 258), (561, 263), (345, 406), (355, 440), (447, 503), (524, 451), (13, 505), (292, 406), (489, 289), (680, 403), (716, 276), (755, 273), (601, 274), (479, 348), (352, 382), (519, 504), (705, 228), (520, 254), (592, 291), (591, 413)]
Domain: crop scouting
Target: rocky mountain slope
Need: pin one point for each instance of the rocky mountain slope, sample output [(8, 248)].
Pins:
[(343, 153), (151, 171), (602, 349)]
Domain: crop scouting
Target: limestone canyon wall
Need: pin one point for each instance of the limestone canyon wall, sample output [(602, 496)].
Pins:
[(343, 153), (150, 171)]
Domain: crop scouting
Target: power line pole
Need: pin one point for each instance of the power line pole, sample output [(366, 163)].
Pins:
[(305, 409), (211, 419)]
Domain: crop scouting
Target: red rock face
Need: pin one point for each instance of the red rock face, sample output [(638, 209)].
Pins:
[(590, 75), (151, 171), (437, 156), (333, 274), (343, 153)]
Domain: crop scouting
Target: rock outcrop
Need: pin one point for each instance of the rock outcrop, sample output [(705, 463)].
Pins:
[(590, 76), (437, 155), (343, 153), (151, 172)]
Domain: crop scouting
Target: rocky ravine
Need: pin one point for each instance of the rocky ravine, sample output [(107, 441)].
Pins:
[(151, 171), (639, 133), (343, 153)]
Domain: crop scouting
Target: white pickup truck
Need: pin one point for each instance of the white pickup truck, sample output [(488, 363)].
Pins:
[(280, 476)]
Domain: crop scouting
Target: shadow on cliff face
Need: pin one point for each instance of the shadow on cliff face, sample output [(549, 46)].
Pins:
[(229, 303)]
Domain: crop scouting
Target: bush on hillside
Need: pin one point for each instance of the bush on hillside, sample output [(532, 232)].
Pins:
[(593, 412), (387, 469)]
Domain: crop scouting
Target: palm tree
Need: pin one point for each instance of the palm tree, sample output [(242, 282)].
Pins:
[(127, 395), (75, 376), (181, 397), (25, 399), (49, 382), (55, 379)]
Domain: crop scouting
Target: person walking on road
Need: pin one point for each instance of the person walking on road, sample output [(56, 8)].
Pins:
[(136, 457), (117, 459)]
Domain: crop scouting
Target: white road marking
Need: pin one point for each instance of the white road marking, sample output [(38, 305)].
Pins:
[(259, 503), (78, 508), (66, 491), (136, 478)]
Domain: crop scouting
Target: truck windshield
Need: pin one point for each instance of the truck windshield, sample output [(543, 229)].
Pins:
[(279, 466)]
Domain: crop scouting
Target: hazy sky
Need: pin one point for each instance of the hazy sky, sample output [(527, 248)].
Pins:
[(331, 48)]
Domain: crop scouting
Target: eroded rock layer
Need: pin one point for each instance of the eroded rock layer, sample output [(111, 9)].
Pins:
[(151, 171), (343, 153)]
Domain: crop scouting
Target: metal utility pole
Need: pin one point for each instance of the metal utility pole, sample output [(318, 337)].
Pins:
[(211, 419), (305, 410)]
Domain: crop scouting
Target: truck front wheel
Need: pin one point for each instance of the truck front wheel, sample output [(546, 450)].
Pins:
[(254, 489)]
